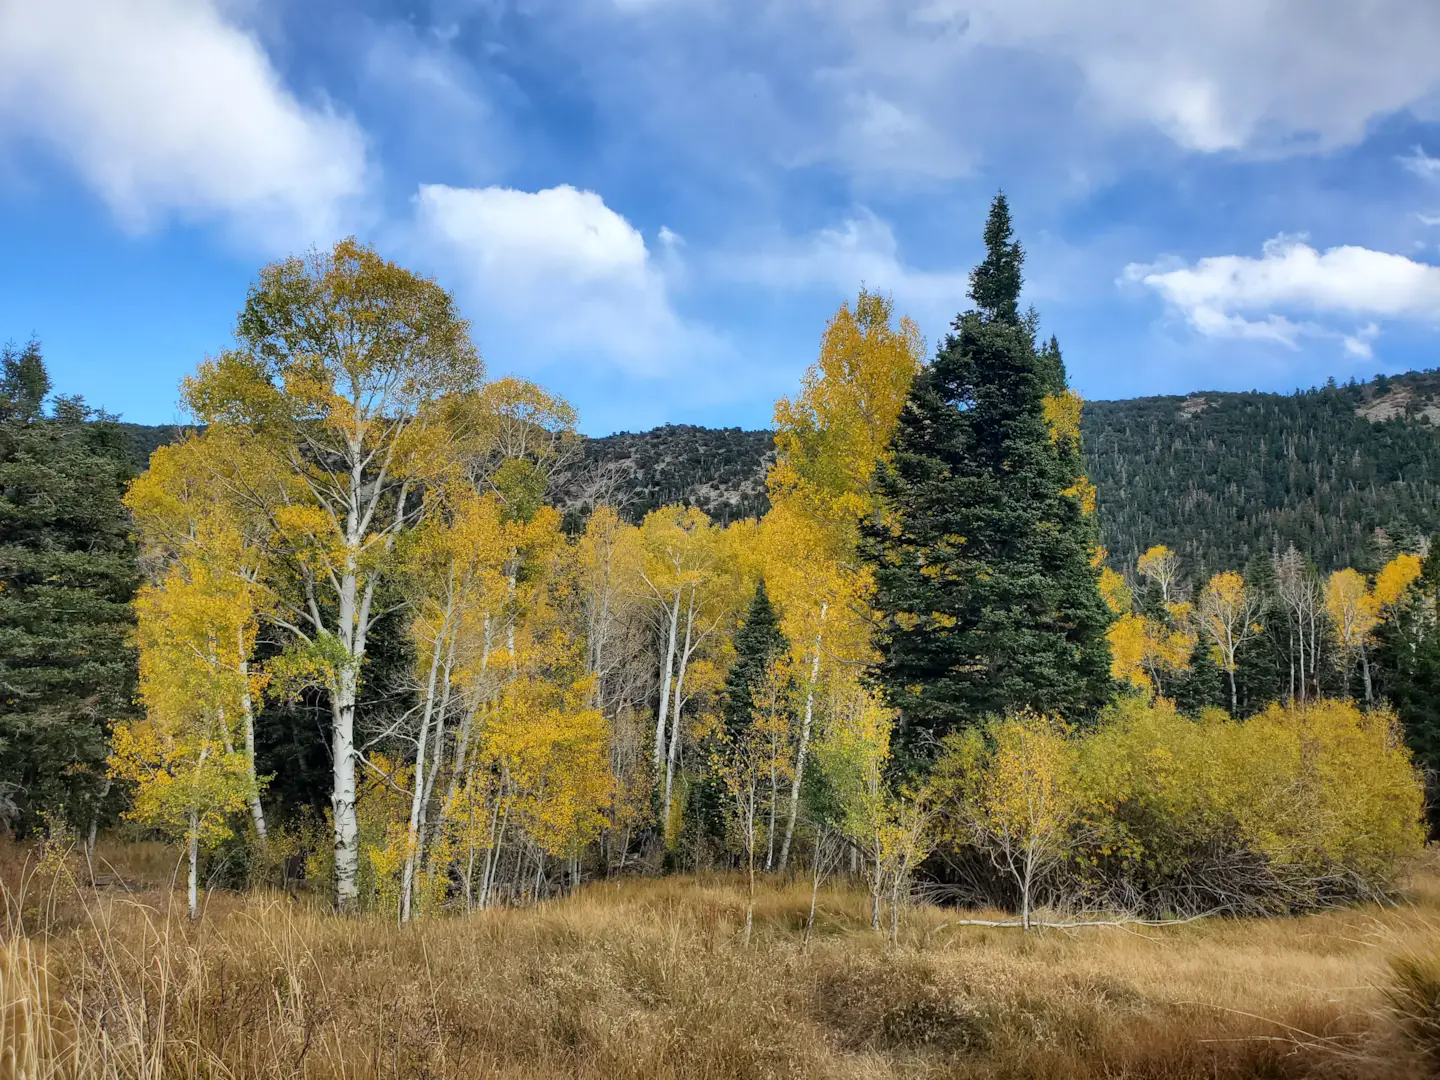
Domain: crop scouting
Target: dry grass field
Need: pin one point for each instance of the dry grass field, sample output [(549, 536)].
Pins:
[(649, 978)]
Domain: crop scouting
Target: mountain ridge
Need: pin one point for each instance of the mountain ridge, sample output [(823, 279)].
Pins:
[(1345, 472)]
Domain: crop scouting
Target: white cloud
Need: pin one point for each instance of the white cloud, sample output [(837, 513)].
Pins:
[(562, 265), (940, 88), (1358, 343), (861, 249), (1214, 75), (1243, 297), (1422, 164), (167, 106)]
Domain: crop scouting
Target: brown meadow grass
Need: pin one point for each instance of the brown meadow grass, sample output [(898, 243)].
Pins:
[(648, 978)]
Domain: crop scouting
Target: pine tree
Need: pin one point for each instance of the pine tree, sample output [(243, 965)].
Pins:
[(983, 551), (1202, 685), (759, 642), (67, 576)]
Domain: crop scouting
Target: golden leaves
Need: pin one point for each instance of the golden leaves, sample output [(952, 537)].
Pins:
[(830, 438), (1062, 416), (1394, 580), (1115, 591), (1084, 492)]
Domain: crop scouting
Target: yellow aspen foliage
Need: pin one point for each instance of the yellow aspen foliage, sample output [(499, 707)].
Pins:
[(852, 751), (1162, 566), (349, 374), (1394, 580), (1083, 492), (1351, 607), (750, 763), (553, 749), (195, 630), (1354, 614), (829, 438), (1010, 790), (1115, 590), (1324, 794), (1145, 651), (1227, 611), (1129, 639), (178, 773), (1062, 416)]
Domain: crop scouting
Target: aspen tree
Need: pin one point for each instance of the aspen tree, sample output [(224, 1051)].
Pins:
[(682, 575), (186, 508), (344, 366), (1228, 610), (745, 761), (451, 566), (1354, 614), (1160, 565), (1304, 601), (1145, 651), (192, 629), (1014, 796), (828, 442)]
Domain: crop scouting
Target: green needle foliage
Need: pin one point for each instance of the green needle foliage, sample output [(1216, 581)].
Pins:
[(67, 577), (983, 550)]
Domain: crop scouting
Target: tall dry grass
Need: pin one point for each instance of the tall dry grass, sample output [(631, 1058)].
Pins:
[(649, 979)]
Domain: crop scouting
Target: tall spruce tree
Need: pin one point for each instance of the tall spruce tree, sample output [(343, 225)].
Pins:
[(983, 552), (759, 642), (67, 577)]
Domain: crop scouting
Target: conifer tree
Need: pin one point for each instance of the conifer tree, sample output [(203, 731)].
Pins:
[(759, 642), (984, 549), (67, 576)]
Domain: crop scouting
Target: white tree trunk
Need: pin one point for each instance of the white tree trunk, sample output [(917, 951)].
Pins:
[(192, 890), (875, 886), (247, 706), (342, 797), (673, 753), (417, 793), (1365, 672), (467, 726), (803, 749), (666, 668)]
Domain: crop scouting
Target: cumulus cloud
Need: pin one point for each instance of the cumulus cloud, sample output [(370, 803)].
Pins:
[(861, 248), (1241, 296), (168, 106), (1220, 75), (937, 88), (559, 262)]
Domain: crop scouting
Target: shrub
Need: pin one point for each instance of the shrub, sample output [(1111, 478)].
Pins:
[(1157, 813), (1297, 807)]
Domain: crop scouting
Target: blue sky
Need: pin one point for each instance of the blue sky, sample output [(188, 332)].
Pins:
[(652, 206)]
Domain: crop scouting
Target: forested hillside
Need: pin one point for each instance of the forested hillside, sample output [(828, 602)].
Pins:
[(1222, 477), (1218, 477), (719, 470)]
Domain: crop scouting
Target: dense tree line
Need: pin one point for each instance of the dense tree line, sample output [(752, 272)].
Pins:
[(67, 576), (394, 618), (1217, 477), (718, 470)]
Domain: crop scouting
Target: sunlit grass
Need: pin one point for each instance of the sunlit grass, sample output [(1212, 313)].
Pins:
[(648, 978)]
